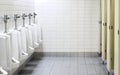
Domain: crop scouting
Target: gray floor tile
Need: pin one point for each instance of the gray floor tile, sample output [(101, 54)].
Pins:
[(86, 65)]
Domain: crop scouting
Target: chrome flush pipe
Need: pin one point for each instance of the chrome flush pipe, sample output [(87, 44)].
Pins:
[(16, 16), (6, 18), (23, 17), (30, 15), (34, 16)]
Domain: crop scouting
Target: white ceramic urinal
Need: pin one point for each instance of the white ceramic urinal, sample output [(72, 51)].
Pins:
[(22, 44), (29, 37), (5, 54), (35, 35), (39, 33), (14, 49)]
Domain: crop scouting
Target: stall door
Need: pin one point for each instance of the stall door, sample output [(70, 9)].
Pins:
[(117, 37), (104, 30), (110, 35), (100, 27)]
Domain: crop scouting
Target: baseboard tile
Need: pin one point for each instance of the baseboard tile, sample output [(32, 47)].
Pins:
[(65, 54)]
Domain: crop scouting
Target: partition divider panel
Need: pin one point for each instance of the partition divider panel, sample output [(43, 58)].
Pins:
[(117, 38), (110, 35), (104, 30)]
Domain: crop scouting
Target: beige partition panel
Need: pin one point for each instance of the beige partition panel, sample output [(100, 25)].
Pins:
[(117, 38), (104, 29), (110, 35), (100, 26)]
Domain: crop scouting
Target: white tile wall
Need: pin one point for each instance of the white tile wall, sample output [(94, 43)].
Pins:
[(68, 25), (11, 7)]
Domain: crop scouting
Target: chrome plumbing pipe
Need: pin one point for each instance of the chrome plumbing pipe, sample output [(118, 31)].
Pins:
[(23, 17), (6, 18), (30, 15), (16, 16), (34, 16)]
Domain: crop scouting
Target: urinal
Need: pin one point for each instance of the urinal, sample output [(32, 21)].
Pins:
[(31, 27), (37, 30), (35, 35), (3, 72), (110, 36), (14, 49), (22, 44), (104, 30), (29, 39), (5, 54), (39, 33)]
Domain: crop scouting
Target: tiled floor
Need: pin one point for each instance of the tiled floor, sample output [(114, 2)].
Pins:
[(65, 66)]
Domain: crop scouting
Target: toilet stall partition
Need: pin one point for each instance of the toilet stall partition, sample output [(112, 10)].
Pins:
[(100, 27), (110, 35), (104, 30), (117, 38)]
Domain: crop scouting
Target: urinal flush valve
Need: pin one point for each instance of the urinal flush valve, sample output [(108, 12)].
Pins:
[(34, 15), (30, 15), (23, 17), (6, 18), (16, 16)]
